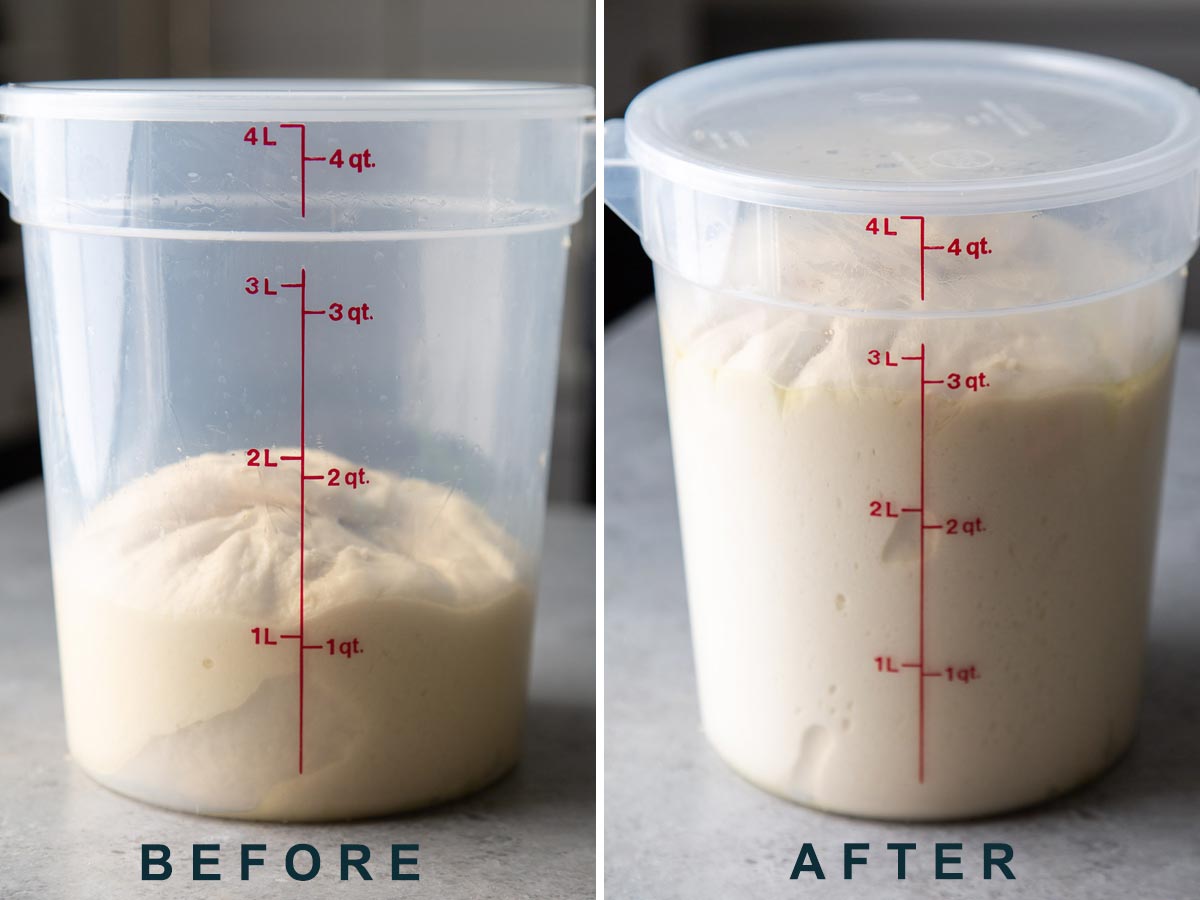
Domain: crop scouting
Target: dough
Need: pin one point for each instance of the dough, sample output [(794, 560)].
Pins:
[(169, 697), (784, 436)]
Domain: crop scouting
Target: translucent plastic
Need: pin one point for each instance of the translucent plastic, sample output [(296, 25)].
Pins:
[(295, 420), (918, 421), (931, 127)]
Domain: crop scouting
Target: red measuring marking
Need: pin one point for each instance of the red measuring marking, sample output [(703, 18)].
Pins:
[(304, 160), (334, 478), (921, 220), (302, 286), (303, 354), (357, 160), (975, 249), (921, 626), (885, 663), (920, 508)]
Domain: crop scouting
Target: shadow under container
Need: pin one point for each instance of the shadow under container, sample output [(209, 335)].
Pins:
[(919, 305), (296, 348)]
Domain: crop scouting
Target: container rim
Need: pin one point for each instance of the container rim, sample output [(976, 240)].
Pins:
[(651, 147), (248, 99)]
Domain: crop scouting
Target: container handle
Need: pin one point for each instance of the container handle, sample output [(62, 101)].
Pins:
[(587, 158), (622, 186), (7, 129), (1196, 207)]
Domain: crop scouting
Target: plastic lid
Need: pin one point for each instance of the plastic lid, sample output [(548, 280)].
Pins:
[(925, 126), (210, 100)]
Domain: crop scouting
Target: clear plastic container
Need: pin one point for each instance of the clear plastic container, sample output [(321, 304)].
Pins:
[(295, 347), (919, 304)]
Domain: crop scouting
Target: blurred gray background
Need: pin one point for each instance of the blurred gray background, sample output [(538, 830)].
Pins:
[(539, 40), (645, 40)]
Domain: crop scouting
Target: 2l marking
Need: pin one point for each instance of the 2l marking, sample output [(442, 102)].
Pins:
[(257, 458), (883, 509)]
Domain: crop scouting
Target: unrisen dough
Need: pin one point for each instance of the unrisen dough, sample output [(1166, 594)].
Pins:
[(169, 698)]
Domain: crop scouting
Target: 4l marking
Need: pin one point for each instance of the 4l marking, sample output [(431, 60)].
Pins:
[(353, 160), (972, 248)]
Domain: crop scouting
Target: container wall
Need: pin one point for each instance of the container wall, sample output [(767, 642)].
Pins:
[(249, 176), (295, 391), (874, 261), (866, 498), (150, 351), (362, 619)]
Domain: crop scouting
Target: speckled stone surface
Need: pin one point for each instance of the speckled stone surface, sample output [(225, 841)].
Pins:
[(680, 824), (532, 835)]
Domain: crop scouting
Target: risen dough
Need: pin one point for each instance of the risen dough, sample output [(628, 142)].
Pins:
[(784, 435)]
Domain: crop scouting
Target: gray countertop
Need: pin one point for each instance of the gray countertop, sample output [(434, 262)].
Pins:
[(532, 835), (680, 824)]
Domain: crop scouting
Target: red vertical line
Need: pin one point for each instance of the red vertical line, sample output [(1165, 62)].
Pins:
[(922, 248), (303, 161), (921, 221), (303, 480), (921, 613), (304, 200), (304, 192)]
